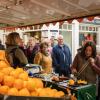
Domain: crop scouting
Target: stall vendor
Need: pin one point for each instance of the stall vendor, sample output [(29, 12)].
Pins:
[(87, 63)]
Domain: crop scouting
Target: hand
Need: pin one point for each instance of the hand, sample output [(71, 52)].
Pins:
[(92, 61), (74, 71)]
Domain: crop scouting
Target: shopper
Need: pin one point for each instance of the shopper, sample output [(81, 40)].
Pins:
[(43, 58), (52, 41), (15, 55), (49, 45), (31, 50), (61, 58), (89, 37)]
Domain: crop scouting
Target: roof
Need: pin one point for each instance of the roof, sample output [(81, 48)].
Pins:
[(31, 12)]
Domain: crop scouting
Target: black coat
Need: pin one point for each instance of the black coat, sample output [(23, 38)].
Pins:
[(2, 47)]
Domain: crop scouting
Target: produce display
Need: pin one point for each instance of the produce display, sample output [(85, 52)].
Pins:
[(17, 82)]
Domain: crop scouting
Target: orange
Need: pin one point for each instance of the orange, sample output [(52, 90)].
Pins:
[(24, 92), (71, 82), (4, 89), (38, 82), (18, 84), (13, 91), (34, 93), (24, 76), (3, 64), (31, 85), (7, 70), (9, 80)]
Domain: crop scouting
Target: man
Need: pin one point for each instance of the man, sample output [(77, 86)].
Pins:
[(61, 58)]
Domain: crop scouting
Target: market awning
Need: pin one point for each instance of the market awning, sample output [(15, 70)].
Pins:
[(31, 12)]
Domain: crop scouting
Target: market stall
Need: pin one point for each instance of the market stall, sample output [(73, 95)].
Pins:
[(16, 84), (30, 84), (32, 14)]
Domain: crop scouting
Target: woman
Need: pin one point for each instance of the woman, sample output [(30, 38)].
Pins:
[(49, 45), (15, 55), (87, 56), (31, 50), (43, 58)]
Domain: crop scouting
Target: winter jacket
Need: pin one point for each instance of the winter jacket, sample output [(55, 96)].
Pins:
[(16, 56), (31, 53), (44, 61), (61, 59)]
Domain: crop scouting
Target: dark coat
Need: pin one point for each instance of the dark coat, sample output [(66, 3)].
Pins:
[(2, 47), (62, 59), (16, 56), (31, 53)]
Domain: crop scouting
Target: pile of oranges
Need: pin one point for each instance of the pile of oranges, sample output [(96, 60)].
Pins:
[(16, 82)]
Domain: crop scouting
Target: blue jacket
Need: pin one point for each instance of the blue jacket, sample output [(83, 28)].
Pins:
[(62, 59)]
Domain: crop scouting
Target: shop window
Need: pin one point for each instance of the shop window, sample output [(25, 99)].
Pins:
[(86, 28), (90, 28), (80, 27), (93, 28), (96, 29), (64, 26), (69, 27), (83, 27)]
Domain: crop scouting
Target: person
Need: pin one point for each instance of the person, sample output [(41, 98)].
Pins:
[(31, 50), (80, 49), (62, 58), (1, 46), (89, 37), (22, 46), (89, 61), (43, 58), (14, 54), (49, 45), (52, 41)]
